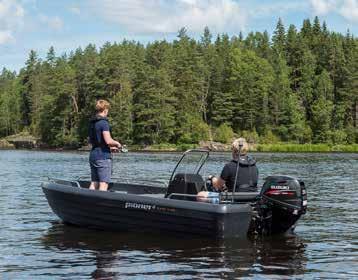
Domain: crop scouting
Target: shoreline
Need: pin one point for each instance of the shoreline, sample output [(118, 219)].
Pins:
[(25, 141), (259, 148)]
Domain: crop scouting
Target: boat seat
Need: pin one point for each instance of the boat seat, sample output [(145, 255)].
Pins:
[(186, 183)]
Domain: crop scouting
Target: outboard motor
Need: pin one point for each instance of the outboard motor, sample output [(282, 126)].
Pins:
[(283, 201)]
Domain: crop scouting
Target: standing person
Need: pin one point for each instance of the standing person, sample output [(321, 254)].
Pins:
[(247, 176), (102, 144)]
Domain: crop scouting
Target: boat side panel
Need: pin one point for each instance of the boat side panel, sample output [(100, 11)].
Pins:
[(104, 213)]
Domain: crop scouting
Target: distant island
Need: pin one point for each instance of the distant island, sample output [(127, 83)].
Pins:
[(296, 90)]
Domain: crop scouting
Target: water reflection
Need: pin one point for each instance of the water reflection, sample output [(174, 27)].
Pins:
[(33, 248), (114, 255)]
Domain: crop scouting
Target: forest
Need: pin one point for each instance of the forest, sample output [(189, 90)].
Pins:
[(299, 85)]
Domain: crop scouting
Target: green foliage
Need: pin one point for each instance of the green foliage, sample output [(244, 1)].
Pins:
[(338, 137), (220, 96), (269, 138), (305, 148), (250, 136), (251, 78), (299, 87), (67, 141), (194, 131), (10, 102), (321, 120), (345, 148), (352, 134), (297, 129), (154, 109), (223, 133), (293, 148), (279, 37), (121, 115)]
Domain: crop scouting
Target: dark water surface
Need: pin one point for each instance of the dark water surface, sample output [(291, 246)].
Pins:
[(34, 244)]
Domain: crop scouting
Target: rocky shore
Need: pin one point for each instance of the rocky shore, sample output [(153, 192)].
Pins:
[(4, 144), (20, 141), (214, 146)]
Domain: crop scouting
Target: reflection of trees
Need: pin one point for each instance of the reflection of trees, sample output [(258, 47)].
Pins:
[(280, 256), (119, 255), (103, 265)]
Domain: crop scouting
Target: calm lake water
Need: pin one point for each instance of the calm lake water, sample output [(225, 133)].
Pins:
[(34, 244)]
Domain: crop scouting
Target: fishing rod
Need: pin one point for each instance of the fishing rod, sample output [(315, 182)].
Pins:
[(122, 149), (241, 143)]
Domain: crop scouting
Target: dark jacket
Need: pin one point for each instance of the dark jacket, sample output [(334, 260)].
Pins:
[(247, 174)]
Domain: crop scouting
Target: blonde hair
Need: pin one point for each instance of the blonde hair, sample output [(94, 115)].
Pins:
[(236, 146), (102, 105)]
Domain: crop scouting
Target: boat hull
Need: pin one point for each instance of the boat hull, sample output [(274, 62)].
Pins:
[(146, 213)]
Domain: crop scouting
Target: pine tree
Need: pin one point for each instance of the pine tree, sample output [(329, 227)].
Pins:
[(280, 93), (122, 111), (322, 108), (297, 129), (207, 53), (306, 31), (89, 86), (338, 73), (58, 122), (189, 85), (27, 76), (323, 49), (293, 50), (347, 94), (279, 37), (51, 57), (306, 81), (221, 102), (154, 110), (302, 87), (9, 103), (263, 46), (251, 77)]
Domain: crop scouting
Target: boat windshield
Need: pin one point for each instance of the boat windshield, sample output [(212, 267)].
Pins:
[(191, 162)]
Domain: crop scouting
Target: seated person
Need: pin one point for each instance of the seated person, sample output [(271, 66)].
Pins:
[(247, 176)]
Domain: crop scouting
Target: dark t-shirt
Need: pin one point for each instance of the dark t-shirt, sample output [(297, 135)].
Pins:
[(247, 176), (100, 150)]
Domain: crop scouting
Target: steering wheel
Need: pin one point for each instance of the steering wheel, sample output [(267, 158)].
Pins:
[(209, 184)]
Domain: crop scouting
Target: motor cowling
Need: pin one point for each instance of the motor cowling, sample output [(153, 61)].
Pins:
[(283, 199), (285, 191)]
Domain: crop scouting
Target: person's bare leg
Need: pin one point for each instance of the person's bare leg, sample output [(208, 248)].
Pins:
[(93, 185), (103, 186)]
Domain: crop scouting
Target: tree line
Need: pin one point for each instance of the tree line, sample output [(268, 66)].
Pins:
[(300, 85)]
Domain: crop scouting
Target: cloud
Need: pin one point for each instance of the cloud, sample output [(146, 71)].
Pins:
[(54, 23), (6, 37), (346, 8), (168, 16), (75, 10), (11, 20), (349, 10), (323, 7)]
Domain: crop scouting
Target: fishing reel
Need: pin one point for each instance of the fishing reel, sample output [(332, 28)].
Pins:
[(123, 149)]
